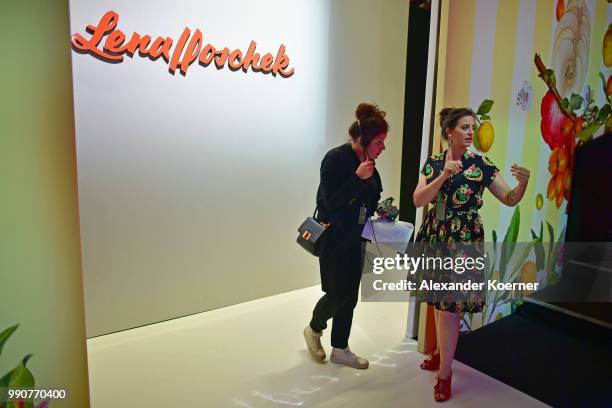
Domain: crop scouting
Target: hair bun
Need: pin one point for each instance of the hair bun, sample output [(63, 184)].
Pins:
[(445, 115), (366, 110), (445, 112), (370, 123)]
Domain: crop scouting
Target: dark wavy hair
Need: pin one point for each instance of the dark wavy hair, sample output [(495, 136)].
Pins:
[(369, 124), (450, 116)]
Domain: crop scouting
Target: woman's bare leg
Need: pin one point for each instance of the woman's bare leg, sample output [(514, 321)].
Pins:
[(436, 320), (448, 333)]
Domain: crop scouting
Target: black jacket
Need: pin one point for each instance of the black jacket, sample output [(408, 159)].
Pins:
[(339, 198), (341, 192)]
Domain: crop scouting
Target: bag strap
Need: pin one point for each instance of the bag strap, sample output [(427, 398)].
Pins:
[(314, 214)]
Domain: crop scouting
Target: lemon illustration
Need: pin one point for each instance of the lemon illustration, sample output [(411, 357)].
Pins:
[(485, 136), (539, 201), (607, 48)]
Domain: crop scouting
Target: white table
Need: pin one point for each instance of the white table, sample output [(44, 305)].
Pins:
[(395, 235)]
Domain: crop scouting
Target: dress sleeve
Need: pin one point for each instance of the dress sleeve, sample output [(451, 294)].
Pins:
[(489, 170)]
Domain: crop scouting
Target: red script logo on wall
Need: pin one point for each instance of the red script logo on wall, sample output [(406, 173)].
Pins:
[(188, 49)]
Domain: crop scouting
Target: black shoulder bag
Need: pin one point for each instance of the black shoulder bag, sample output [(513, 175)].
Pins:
[(312, 234)]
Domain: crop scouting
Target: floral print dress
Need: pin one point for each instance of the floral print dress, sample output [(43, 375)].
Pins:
[(462, 196)]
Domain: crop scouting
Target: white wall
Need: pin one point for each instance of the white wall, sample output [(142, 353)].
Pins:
[(192, 187)]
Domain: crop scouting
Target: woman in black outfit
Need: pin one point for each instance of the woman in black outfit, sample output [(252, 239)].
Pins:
[(348, 194)]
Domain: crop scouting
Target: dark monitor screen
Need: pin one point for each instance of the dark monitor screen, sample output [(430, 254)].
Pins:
[(587, 272), (590, 211)]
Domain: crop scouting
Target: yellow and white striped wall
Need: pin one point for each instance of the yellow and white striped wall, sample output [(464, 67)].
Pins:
[(486, 52)]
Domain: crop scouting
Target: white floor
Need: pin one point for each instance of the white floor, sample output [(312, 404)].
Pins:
[(253, 355)]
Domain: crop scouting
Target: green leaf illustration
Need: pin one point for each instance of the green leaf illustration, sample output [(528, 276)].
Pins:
[(485, 107), (551, 275), (561, 235), (588, 132), (602, 115), (551, 245), (541, 231), (538, 247), (551, 235), (540, 255), (488, 266), (18, 378), (603, 83), (5, 381), (509, 242), (4, 336), (576, 101), (519, 261), (21, 377), (565, 103), (513, 229), (494, 257)]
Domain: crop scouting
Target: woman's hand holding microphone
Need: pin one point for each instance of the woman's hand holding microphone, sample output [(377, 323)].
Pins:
[(452, 167), (365, 169)]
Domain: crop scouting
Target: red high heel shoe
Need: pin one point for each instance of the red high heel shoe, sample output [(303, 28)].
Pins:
[(442, 389), (432, 363)]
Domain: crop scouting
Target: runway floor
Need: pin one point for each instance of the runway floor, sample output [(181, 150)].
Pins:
[(253, 355)]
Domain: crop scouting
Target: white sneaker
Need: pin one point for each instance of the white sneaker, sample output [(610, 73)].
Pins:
[(313, 343), (346, 356)]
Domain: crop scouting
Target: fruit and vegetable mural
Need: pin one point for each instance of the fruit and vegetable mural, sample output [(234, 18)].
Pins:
[(539, 79)]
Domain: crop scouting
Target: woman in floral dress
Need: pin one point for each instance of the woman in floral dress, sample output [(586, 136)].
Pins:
[(454, 181)]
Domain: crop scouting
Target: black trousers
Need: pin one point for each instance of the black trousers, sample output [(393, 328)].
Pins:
[(341, 274)]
